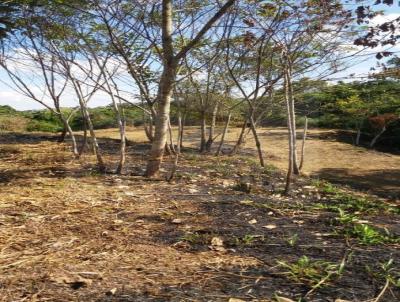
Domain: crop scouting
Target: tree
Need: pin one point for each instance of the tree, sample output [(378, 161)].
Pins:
[(170, 62)]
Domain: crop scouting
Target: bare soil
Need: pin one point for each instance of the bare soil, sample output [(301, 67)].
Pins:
[(68, 233)]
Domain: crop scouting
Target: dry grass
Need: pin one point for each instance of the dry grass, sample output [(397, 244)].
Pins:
[(68, 233)]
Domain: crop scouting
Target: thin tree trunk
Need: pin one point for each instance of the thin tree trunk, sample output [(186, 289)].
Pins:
[(178, 149), (181, 130), (375, 139), (240, 139), (95, 144), (84, 143), (203, 127), (171, 142), (72, 136), (303, 145), (358, 136), (221, 143), (61, 139), (292, 113), (122, 158), (290, 136), (257, 140), (211, 137), (122, 135), (148, 128)]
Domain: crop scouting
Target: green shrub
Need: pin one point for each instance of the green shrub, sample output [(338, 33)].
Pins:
[(43, 126)]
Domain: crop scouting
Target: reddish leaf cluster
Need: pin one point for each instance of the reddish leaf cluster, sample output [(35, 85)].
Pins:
[(382, 120)]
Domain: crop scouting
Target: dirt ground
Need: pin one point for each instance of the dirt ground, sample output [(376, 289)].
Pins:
[(325, 157), (68, 233)]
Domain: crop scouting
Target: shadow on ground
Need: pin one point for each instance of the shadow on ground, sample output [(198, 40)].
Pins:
[(384, 183)]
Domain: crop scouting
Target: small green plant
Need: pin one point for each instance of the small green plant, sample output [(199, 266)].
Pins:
[(387, 272), (370, 235), (325, 187), (196, 238), (346, 218), (248, 239), (292, 240), (312, 273)]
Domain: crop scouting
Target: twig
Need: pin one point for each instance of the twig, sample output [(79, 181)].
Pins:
[(382, 291)]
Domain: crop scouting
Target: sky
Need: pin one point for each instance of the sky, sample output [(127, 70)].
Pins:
[(359, 67)]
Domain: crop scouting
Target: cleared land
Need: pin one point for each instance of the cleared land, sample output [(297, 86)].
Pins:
[(326, 157), (70, 234)]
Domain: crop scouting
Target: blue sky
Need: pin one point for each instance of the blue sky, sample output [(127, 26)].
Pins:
[(359, 67)]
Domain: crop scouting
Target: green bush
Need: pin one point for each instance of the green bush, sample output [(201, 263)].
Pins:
[(43, 126)]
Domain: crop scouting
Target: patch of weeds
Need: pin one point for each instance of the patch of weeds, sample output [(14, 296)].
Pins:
[(93, 172), (346, 218), (349, 202), (248, 239), (250, 161), (222, 167), (369, 235), (364, 233), (387, 272), (254, 166), (269, 169), (325, 187), (361, 204), (313, 273), (197, 238)]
